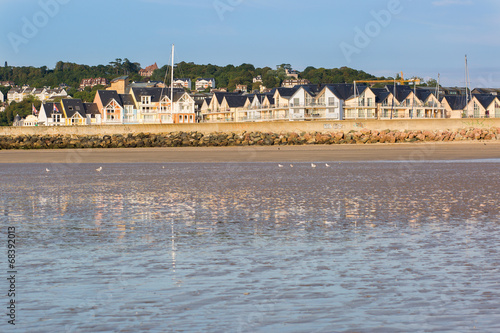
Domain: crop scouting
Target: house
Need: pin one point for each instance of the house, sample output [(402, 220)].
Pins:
[(51, 115), (258, 78), (15, 95), (241, 88), (453, 90), (30, 120), (483, 106), (55, 93), (182, 83), (148, 71), (110, 106), (454, 105), (292, 73), (290, 83), (2, 97), (94, 117), (484, 91), (231, 106), (282, 96), (204, 83), (154, 105), (120, 84), (92, 82), (302, 104), (74, 112), (129, 109), (7, 83), (218, 108)]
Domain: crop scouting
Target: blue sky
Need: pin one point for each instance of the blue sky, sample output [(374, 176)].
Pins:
[(382, 37)]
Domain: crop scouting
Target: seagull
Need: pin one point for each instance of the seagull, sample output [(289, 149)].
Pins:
[(98, 169), (313, 165), (327, 165), (280, 165), (47, 170), (163, 167), (291, 165)]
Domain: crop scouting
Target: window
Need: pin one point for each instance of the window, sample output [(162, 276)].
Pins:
[(296, 101), (370, 102), (331, 101), (146, 99), (497, 110), (476, 110)]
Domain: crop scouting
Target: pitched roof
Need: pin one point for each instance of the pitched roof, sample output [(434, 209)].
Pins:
[(155, 93), (345, 91), (120, 78), (48, 108), (91, 109), (73, 106), (108, 95), (381, 94), (236, 101), (219, 96), (206, 79), (484, 99), (423, 95), (126, 99), (456, 102), (285, 92)]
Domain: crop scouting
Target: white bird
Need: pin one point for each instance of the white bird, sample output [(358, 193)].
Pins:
[(163, 167), (291, 165), (280, 165), (47, 170), (313, 165), (327, 165), (98, 169)]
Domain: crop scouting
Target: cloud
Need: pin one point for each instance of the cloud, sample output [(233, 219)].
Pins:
[(452, 2)]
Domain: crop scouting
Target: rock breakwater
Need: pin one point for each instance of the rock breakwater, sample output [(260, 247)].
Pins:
[(196, 139)]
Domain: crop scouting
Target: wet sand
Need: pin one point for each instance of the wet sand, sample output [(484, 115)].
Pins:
[(376, 152)]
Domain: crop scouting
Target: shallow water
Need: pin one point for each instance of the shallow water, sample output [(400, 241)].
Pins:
[(250, 247)]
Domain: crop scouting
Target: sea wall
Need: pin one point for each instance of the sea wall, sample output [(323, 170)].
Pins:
[(198, 139), (344, 126)]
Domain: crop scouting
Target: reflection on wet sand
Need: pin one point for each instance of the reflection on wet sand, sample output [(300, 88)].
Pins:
[(252, 247)]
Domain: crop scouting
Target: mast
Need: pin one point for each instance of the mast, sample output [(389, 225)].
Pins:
[(413, 102), (437, 89), (172, 85), (466, 86)]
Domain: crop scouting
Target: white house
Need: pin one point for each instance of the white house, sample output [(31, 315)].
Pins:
[(204, 83), (182, 83), (1, 97), (51, 115)]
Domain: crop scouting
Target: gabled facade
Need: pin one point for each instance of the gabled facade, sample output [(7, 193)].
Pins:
[(302, 103), (182, 83), (51, 114), (483, 106), (110, 106), (205, 83), (154, 105), (74, 112), (282, 96), (454, 105)]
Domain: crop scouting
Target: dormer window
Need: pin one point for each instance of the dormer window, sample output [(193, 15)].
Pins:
[(146, 99)]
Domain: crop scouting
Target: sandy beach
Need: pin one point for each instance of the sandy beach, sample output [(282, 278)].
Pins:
[(376, 152)]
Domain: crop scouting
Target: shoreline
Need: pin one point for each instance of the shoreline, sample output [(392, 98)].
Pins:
[(309, 153)]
